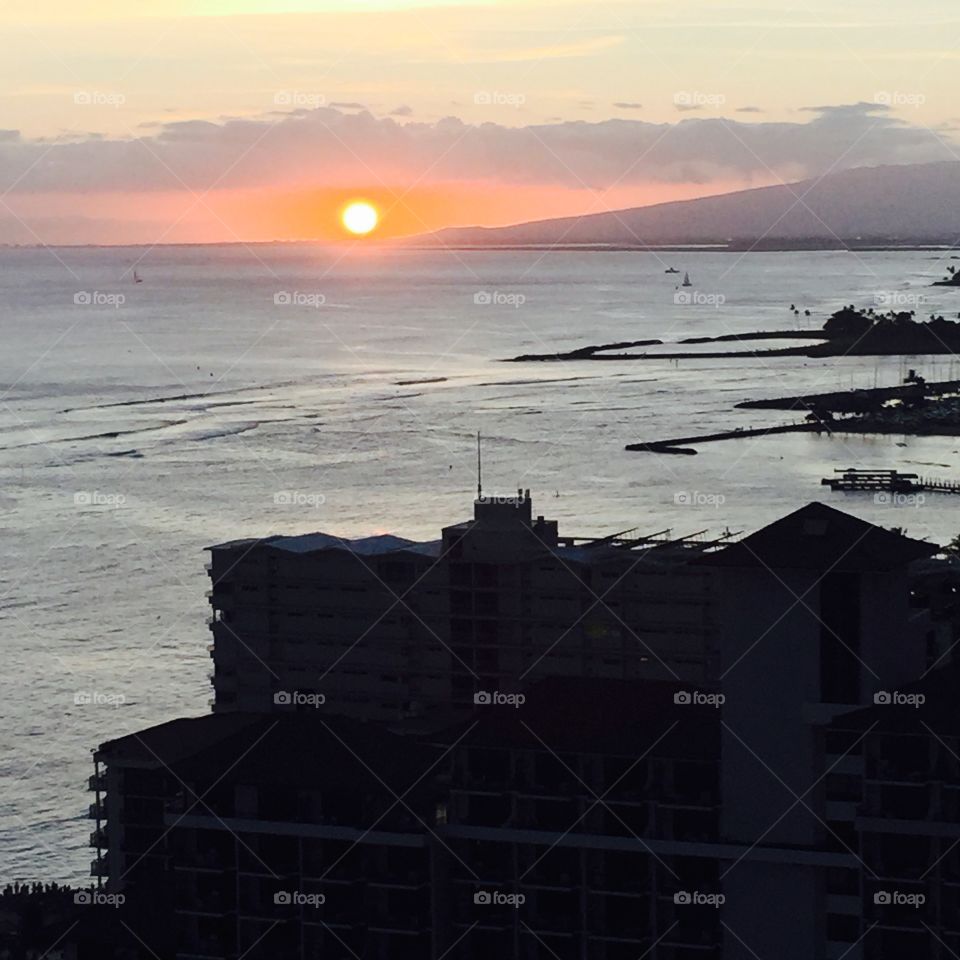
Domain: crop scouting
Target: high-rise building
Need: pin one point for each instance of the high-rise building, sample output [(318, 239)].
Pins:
[(389, 628), (559, 804), (815, 617)]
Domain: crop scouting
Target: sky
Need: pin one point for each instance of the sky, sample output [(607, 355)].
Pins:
[(223, 120)]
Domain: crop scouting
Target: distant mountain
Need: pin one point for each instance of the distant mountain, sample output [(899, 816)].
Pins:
[(918, 202)]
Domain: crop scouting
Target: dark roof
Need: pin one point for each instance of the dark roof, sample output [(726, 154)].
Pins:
[(298, 749), (306, 543), (599, 716), (938, 714), (313, 749), (174, 740), (818, 537)]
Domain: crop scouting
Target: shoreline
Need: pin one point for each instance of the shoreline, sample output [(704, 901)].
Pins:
[(928, 409), (921, 339)]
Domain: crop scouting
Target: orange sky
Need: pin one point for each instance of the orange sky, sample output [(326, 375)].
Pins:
[(315, 214), (271, 214)]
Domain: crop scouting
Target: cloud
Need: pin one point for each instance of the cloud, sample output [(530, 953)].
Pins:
[(687, 107), (8, 136), (402, 111), (749, 110), (626, 105), (862, 108), (330, 148), (349, 105)]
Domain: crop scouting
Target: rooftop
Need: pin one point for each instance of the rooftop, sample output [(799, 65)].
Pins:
[(173, 741), (304, 543), (818, 537), (815, 537), (365, 546), (295, 749)]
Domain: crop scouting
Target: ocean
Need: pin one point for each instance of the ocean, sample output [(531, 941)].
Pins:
[(242, 391)]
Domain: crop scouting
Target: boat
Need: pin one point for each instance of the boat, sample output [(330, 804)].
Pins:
[(686, 281), (671, 270), (137, 278)]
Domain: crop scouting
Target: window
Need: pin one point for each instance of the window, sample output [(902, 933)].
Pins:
[(840, 638)]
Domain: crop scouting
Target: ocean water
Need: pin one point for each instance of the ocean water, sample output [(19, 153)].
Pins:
[(140, 423)]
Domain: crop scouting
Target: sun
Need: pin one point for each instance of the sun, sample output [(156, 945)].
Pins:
[(360, 217)]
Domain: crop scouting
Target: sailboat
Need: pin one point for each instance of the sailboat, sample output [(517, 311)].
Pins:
[(686, 281), (671, 270), (137, 278)]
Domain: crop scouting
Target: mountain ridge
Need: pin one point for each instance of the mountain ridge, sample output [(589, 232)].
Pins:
[(892, 202)]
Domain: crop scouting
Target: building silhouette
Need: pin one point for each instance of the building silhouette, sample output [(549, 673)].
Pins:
[(388, 628), (747, 787)]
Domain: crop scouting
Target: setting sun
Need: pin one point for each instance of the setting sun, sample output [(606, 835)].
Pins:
[(360, 217)]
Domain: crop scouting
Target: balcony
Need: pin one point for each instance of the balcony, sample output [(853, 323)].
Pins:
[(98, 868), (202, 949), (850, 764), (98, 810), (704, 943), (205, 905), (411, 884), (548, 880), (898, 801), (98, 838), (603, 884), (97, 782), (838, 950), (209, 867)]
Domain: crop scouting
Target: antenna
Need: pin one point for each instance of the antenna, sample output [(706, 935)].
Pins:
[(479, 469)]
